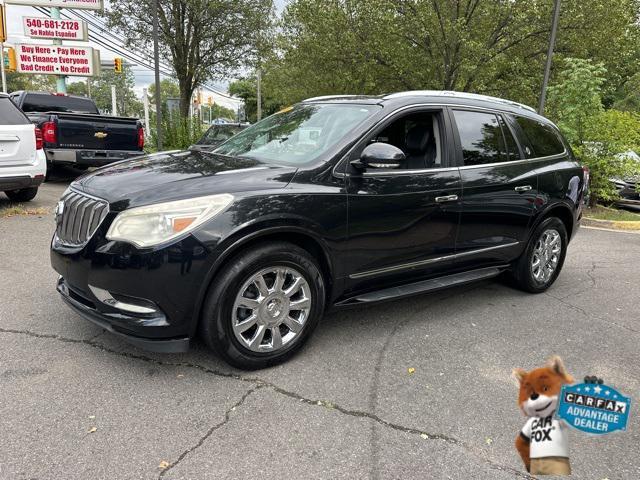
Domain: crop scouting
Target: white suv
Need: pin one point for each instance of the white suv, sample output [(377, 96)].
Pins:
[(23, 164)]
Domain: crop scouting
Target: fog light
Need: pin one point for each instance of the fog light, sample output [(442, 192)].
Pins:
[(105, 297)]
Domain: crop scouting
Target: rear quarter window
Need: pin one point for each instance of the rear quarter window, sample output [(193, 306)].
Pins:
[(543, 138), (10, 114)]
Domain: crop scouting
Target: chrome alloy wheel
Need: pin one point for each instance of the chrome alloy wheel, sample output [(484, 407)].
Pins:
[(546, 255), (271, 308)]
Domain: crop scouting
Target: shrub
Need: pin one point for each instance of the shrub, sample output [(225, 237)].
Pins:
[(607, 137), (177, 133)]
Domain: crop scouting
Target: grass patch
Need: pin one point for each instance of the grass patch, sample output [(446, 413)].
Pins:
[(612, 214), (18, 209)]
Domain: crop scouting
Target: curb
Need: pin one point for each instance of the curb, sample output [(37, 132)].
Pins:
[(611, 224)]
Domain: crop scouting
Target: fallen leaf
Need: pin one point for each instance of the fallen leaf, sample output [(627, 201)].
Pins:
[(163, 464), (411, 370), (93, 429), (424, 436), (488, 441)]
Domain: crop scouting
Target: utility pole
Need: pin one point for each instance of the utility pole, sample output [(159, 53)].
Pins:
[(4, 77), (145, 102), (547, 68), (114, 104), (156, 59), (259, 94), (61, 84)]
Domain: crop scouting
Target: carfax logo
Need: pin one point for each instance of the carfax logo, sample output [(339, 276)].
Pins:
[(596, 409)]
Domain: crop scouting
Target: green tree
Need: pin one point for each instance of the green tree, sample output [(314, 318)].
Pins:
[(26, 81), (127, 102), (485, 46), (609, 135), (599, 137), (577, 97), (246, 89), (204, 39), (78, 88), (627, 97)]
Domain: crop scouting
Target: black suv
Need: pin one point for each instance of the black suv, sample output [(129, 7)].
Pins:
[(336, 201)]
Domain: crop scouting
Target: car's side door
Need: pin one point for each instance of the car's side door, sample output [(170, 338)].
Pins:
[(403, 221), (499, 188)]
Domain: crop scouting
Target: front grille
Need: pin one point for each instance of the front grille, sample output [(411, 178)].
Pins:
[(80, 218)]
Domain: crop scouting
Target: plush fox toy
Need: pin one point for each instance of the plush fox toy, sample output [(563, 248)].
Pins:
[(542, 442)]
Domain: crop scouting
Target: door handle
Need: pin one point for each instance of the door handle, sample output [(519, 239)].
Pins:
[(447, 198), (523, 188)]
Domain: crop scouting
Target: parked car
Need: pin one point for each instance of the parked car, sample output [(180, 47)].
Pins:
[(628, 187), (337, 201), (22, 161), (75, 133), (216, 134)]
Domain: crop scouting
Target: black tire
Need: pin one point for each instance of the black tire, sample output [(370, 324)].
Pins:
[(217, 313), (22, 195), (522, 272)]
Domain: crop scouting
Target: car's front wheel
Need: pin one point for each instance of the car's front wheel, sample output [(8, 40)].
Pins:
[(263, 305), (22, 195), (541, 262)]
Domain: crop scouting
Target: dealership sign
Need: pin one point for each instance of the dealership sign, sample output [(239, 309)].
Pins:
[(56, 60), (78, 4), (42, 27)]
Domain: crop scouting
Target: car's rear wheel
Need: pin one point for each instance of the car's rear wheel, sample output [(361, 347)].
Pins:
[(541, 262), (263, 305), (22, 195)]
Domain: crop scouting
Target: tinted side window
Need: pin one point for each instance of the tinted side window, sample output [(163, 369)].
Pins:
[(543, 138), (45, 102), (513, 153), (480, 137), (10, 114)]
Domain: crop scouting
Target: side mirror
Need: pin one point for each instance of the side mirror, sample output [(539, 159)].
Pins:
[(380, 155)]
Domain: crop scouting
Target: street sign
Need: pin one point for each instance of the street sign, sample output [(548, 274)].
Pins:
[(77, 4), (3, 25), (594, 408), (55, 60), (52, 28)]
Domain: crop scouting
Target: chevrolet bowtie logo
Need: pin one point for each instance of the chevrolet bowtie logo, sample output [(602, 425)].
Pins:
[(100, 135)]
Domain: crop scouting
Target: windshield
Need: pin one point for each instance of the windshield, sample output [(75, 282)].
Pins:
[(219, 133), (297, 135)]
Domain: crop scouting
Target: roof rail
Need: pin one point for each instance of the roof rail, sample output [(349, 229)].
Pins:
[(449, 93), (326, 97)]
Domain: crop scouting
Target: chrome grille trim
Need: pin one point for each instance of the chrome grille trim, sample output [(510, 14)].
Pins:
[(81, 216)]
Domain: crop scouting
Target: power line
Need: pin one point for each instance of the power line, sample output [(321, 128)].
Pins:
[(101, 25), (107, 41)]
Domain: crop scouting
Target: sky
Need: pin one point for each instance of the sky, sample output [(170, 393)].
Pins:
[(143, 76)]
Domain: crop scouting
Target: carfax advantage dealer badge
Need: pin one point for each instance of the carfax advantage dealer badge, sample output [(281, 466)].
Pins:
[(593, 408)]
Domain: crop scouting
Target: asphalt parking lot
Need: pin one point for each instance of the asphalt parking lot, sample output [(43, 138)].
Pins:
[(75, 403)]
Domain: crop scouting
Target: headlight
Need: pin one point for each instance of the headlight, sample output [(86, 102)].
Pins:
[(153, 224)]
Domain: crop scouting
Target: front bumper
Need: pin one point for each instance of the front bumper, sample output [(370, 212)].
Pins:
[(87, 309), (90, 158)]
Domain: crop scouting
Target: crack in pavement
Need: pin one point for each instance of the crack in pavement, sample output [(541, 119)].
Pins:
[(227, 417), (588, 315), (260, 383)]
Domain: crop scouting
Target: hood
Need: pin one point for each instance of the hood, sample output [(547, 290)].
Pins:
[(176, 175)]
